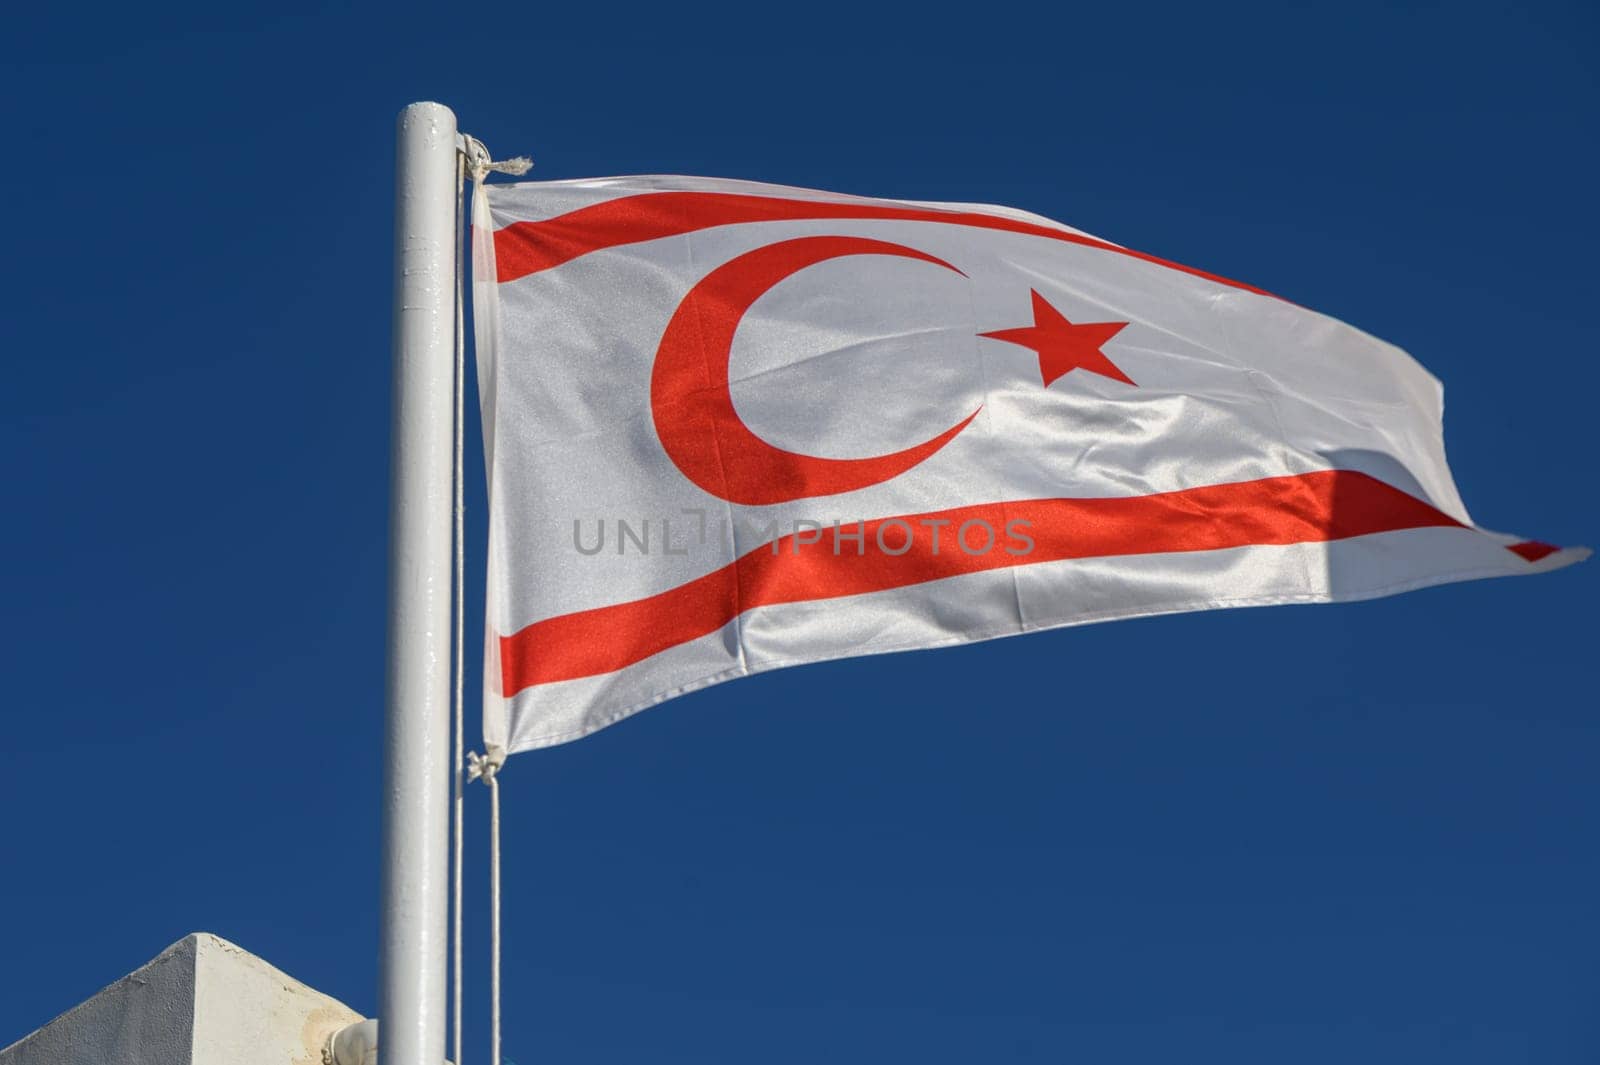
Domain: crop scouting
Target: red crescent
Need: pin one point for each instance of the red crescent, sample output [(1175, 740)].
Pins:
[(692, 404)]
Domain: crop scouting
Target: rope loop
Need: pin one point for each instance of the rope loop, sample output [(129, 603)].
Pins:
[(475, 161), (480, 163), (485, 766)]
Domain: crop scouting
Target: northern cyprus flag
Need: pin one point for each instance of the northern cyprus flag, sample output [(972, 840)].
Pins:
[(731, 427)]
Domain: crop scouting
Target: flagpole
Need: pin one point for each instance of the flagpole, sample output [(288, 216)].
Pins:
[(416, 760)]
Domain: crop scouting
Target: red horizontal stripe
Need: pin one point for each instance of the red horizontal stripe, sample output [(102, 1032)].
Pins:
[(524, 248), (1312, 507)]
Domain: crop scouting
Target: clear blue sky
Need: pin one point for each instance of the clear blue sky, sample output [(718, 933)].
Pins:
[(1312, 834)]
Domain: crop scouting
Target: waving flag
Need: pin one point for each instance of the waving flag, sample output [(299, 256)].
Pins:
[(732, 427)]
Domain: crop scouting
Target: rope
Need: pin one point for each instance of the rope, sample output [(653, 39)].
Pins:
[(494, 917), (487, 768), (476, 161), (458, 650), (480, 164)]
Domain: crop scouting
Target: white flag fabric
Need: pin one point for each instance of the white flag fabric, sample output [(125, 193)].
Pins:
[(732, 426)]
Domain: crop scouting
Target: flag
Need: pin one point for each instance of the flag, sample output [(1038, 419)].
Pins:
[(732, 426)]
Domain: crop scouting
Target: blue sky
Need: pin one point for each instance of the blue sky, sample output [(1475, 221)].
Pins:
[(1360, 832)]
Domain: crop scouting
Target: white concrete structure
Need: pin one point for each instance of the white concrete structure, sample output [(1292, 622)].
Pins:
[(202, 1001)]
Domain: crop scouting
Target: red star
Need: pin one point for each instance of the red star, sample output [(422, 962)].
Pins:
[(1063, 346)]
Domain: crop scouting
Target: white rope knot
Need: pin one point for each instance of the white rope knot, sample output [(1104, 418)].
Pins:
[(480, 163), (485, 766)]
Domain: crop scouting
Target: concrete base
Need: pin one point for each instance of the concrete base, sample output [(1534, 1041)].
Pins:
[(202, 1001)]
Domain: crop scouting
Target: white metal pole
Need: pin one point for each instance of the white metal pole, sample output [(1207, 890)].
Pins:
[(416, 759)]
